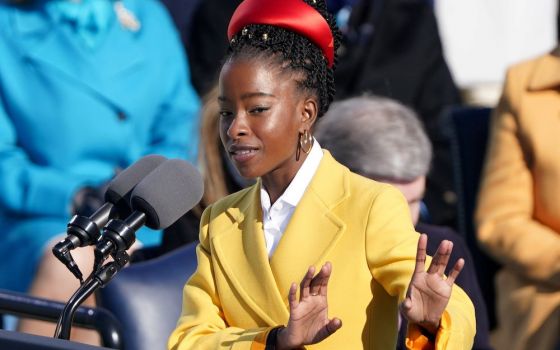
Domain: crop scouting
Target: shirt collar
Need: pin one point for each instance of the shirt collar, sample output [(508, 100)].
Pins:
[(292, 195)]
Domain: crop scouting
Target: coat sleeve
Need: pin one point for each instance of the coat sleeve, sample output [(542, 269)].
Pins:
[(504, 215), (201, 325), (391, 244), (28, 188)]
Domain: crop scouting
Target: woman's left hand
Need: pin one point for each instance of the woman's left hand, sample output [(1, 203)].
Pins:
[(429, 290), (309, 322)]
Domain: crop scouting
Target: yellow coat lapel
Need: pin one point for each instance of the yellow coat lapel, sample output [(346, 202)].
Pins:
[(314, 228), (241, 251)]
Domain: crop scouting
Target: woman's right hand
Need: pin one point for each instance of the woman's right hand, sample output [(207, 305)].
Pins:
[(309, 322)]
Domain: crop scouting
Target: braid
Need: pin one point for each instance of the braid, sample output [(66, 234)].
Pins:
[(293, 51)]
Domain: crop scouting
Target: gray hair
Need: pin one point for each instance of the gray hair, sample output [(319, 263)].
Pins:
[(376, 137)]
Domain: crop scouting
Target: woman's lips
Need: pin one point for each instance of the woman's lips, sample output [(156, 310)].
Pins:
[(242, 155)]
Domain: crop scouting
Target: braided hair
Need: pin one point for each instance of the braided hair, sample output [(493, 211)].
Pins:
[(292, 52)]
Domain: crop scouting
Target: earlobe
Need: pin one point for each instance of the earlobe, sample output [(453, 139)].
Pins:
[(309, 113)]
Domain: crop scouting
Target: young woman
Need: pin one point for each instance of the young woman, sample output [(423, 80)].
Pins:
[(348, 241)]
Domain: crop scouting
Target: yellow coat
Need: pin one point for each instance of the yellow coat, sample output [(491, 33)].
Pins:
[(237, 294), (518, 212)]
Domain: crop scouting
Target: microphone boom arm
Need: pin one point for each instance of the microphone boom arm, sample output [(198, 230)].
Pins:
[(99, 278)]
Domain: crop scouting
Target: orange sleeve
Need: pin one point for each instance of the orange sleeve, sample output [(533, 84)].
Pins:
[(415, 340)]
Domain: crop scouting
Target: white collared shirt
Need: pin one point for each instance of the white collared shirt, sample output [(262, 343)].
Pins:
[(277, 216)]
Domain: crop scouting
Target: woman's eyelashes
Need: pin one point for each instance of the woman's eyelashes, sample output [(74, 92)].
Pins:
[(224, 113), (258, 110)]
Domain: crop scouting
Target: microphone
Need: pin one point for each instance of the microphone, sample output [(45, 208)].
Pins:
[(159, 200), (82, 231)]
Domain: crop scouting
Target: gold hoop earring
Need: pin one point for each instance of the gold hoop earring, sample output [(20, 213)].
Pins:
[(305, 141)]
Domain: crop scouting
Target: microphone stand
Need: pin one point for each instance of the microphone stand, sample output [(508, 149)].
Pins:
[(98, 278), (120, 235)]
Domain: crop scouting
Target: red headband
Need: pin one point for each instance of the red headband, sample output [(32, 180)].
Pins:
[(294, 15)]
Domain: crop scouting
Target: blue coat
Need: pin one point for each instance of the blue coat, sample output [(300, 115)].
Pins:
[(70, 115)]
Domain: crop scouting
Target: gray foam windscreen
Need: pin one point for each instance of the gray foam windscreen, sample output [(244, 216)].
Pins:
[(125, 181), (167, 193)]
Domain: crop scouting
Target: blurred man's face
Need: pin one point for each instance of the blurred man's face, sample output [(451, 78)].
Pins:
[(413, 192)]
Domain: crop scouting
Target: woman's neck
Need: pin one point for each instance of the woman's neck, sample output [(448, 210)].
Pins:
[(277, 181)]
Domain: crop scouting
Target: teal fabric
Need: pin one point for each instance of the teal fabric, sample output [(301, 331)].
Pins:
[(70, 115), (89, 19)]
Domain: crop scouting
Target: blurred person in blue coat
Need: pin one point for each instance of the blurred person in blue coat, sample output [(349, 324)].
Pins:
[(86, 88)]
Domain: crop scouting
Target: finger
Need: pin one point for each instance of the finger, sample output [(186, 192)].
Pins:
[(421, 254), (327, 268), (439, 261), (405, 306), (315, 285), (444, 259), (456, 271), (320, 280), (334, 325), (305, 282), (292, 297), (317, 281), (435, 259)]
